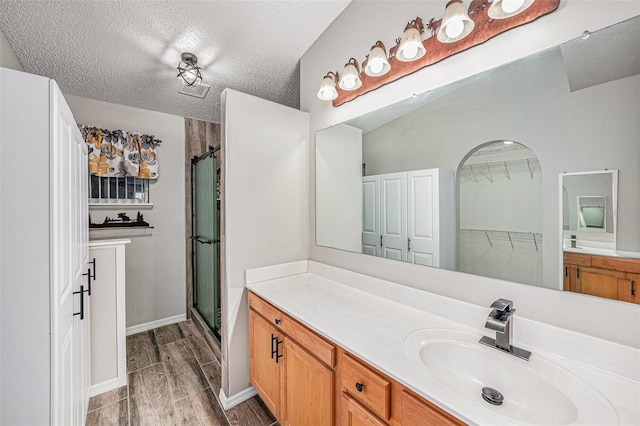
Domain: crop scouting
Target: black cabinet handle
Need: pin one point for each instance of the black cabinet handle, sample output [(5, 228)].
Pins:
[(93, 274), (578, 273), (273, 351), (359, 387), (633, 288), (81, 293), (380, 240), (278, 343), (88, 274), (408, 244), (277, 321), (566, 271)]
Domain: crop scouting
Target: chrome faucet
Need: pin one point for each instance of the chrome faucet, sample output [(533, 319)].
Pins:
[(499, 320)]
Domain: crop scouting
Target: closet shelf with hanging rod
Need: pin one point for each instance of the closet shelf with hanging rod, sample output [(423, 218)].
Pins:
[(489, 170), (494, 236)]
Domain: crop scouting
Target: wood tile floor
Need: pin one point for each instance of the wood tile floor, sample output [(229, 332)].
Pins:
[(174, 379)]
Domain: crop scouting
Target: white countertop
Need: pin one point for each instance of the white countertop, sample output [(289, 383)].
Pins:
[(374, 329), (602, 252)]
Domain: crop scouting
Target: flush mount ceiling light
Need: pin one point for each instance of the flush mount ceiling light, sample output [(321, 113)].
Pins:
[(188, 70), (502, 9), (459, 29), (350, 79), (456, 23), (410, 47), (377, 63), (328, 90)]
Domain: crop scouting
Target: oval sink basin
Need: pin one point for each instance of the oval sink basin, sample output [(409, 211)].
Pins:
[(534, 392)]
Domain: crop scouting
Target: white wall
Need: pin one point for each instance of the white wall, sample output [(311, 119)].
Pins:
[(155, 263), (265, 206), (339, 190), (8, 58), (352, 34)]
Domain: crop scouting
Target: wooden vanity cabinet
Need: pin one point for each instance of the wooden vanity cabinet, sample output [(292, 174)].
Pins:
[(294, 378), (601, 276), (305, 380)]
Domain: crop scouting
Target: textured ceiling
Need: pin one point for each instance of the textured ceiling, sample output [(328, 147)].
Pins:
[(126, 52)]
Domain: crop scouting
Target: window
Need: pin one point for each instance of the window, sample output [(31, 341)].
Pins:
[(118, 189)]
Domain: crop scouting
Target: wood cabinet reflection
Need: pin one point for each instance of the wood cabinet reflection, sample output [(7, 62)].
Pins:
[(602, 276)]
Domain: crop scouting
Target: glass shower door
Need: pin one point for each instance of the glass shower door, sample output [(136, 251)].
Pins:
[(206, 286)]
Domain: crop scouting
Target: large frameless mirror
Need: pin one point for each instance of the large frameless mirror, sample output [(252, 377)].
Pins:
[(466, 177)]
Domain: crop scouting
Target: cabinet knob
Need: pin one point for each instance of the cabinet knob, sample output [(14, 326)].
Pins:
[(277, 321), (359, 387)]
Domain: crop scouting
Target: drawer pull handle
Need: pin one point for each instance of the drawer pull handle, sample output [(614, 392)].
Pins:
[(277, 321), (633, 288), (359, 387)]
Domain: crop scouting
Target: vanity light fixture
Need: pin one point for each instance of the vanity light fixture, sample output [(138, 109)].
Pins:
[(328, 90), (376, 63), (502, 9), (452, 34), (350, 79), (410, 47), (456, 23), (188, 70)]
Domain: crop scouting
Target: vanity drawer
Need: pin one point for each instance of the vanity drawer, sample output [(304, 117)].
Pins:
[(577, 259), (314, 344), (271, 314), (366, 386)]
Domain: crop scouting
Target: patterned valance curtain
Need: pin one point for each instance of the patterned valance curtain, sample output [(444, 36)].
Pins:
[(121, 154)]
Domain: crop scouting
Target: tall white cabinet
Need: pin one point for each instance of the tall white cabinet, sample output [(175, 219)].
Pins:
[(44, 329), (409, 216)]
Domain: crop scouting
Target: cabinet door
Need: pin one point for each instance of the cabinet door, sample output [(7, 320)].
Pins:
[(370, 216), (354, 414), (566, 278), (628, 288), (423, 218), (597, 283), (69, 331), (265, 346), (393, 215), (108, 334), (308, 389), (418, 413)]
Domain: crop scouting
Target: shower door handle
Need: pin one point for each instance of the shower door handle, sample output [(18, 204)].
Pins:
[(201, 240)]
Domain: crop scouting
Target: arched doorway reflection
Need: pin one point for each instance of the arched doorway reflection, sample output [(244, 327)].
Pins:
[(500, 213)]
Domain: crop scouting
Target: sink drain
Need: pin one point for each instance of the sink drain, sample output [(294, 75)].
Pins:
[(492, 396)]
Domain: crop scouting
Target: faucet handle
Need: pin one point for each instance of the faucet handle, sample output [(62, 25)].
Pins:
[(502, 305)]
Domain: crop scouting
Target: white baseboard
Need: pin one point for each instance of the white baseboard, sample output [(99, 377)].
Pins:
[(107, 385), (236, 399), (155, 324)]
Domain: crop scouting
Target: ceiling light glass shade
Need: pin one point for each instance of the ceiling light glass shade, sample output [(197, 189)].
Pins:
[(328, 90), (377, 63), (456, 23), (350, 79), (410, 47), (188, 70), (502, 9)]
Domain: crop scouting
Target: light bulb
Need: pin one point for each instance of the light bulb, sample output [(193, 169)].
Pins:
[(349, 82), (510, 6), (376, 66), (410, 50), (508, 142), (454, 28), (327, 93)]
